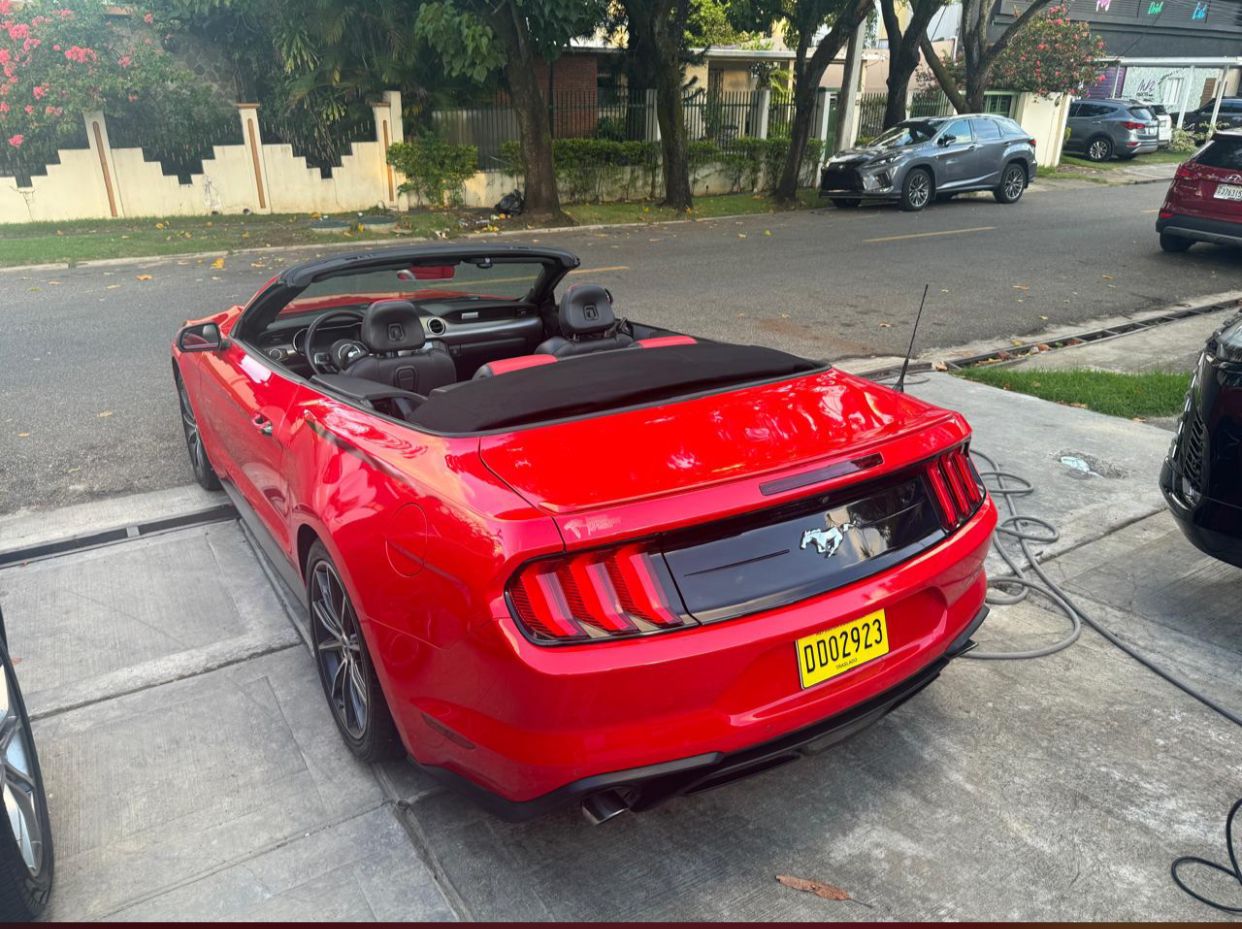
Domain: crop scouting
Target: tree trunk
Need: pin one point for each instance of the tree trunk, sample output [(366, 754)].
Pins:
[(903, 52), (901, 68), (672, 117), (543, 202), (806, 84), (943, 77)]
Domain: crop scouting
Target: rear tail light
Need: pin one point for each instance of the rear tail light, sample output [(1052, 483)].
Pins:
[(1131, 124), (609, 594), (1184, 170), (957, 486), (1031, 142)]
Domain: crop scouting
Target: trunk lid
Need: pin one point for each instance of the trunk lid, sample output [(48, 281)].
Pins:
[(1211, 183), (673, 465)]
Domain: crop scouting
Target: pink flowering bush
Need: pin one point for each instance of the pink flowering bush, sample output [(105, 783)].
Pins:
[(60, 59), (1052, 55)]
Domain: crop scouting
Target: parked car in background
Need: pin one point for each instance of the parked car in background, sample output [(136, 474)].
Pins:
[(919, 159), (1164, 124), (1104, 129), (1199, 122), (1204, 201), (26, 832), (1202, 476)]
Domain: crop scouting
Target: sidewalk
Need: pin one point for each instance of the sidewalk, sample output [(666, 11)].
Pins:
[(194, 770)]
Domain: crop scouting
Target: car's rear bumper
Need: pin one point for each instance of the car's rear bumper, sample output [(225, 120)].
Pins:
[(536, 726), (1139, 146), (1201, 229), (645, 787)]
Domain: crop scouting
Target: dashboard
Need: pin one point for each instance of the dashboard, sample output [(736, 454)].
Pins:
[(472, 335)]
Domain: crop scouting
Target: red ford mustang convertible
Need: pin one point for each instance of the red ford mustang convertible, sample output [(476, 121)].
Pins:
[(556, 556)]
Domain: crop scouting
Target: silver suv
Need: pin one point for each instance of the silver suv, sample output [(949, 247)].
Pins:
[(1101, 129), (919, 159)]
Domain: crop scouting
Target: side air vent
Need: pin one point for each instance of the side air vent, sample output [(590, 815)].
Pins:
[(437, 326)]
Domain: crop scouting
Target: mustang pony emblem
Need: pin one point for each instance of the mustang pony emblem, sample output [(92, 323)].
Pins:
[(826, 541)]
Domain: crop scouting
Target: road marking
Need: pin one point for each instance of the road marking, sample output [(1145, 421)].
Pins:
[(924, 235), (599, 270)]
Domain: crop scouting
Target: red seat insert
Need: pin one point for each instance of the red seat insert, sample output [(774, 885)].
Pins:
[(505, 365), (664, 340)]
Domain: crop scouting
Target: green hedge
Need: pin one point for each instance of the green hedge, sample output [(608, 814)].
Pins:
[(435, 170), (584, 167)]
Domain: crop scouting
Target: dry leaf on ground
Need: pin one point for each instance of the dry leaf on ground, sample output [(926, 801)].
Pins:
[(218, 264), (819, 888), (144, 277)]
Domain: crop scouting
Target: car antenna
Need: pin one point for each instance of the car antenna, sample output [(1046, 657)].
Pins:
[(905, 362)]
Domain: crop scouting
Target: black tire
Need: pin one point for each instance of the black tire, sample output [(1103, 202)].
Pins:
[(26, 862), (200, 464), (1099, 148), (1013, 183), (917, 190), (1174, 243), (345, 670), (845, 203)]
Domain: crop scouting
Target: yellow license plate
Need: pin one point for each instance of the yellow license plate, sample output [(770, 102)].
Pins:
[(834, 651)]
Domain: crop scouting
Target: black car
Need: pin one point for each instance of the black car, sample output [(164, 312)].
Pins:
[(1202, 477), (1198, 122)]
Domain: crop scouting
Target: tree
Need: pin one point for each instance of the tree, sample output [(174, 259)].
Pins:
[(1053, 55), (517, 38), (980, 55), (656, 32), (903, 51), (834, 22)]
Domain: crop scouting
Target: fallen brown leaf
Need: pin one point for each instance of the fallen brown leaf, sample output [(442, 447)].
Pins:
[(819, 888), (144, 277), (939, 366)]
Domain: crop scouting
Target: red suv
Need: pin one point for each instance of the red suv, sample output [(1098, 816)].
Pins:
[(1204, 202)]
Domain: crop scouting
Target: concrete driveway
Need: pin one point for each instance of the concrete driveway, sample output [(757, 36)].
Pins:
[(194, 771)]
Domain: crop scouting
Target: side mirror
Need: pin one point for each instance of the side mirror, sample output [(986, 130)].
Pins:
[(948, 139), (204, 337)]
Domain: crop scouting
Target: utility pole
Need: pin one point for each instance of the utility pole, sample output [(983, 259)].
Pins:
[(849, 87)]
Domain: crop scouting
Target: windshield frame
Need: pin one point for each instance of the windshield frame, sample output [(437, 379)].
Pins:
[(926, 125)]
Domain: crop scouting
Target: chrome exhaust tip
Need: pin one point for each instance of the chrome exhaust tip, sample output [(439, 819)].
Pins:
[(601, 807)]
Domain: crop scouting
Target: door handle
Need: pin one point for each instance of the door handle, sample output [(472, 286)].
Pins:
[(263, 424)]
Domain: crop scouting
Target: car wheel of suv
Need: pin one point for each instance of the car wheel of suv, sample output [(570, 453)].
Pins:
[(1174, 243), (345, 670), (846, 203), (1013, 182), (917, 190), (1100, 148), (26, 834), (204, 473)]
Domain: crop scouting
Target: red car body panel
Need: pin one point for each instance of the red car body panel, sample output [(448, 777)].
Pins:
[(426, 531), (1193, 209)]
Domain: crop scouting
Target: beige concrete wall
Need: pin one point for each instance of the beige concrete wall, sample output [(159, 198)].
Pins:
[(1044, 118)]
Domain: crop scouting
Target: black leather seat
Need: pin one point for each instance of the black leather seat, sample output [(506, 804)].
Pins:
[(587, 324), (401, 356)]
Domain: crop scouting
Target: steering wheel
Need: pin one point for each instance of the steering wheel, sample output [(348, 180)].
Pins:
[(327, 362)]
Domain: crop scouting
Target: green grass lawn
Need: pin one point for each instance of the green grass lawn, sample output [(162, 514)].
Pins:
[(1162, 157), (1129, 395), (84, 240)]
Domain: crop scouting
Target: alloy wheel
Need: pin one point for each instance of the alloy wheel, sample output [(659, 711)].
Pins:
[(1013, 182), (21, 792), (338, 649), (920, 190), (1098, 150), (193, 441)]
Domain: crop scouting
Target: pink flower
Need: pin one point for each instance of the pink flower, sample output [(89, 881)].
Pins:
[(29, 109), (125, 61), (40, 91), (4, 107), (17, 140), (18, 31), (66, 14), (79, 54), (6, 7), (148, 19), (55, 48), (133, 98)]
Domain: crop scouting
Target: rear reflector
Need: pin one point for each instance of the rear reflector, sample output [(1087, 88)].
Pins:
[(615, 593), (956, 485)]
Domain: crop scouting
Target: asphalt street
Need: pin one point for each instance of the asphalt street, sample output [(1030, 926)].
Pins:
[(86, 401)]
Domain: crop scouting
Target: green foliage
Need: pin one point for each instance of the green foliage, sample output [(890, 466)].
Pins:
[(589, 169), (61, 58), (1052, 55), (1183, 141), (466, 44), (435, 170)]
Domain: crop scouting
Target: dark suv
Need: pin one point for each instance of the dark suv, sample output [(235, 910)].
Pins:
[(1101, 129), (1199, 122)]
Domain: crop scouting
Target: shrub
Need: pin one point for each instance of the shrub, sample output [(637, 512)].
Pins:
[(435, 170)]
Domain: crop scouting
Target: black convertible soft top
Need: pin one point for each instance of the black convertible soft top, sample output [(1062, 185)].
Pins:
[(602, 381)]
